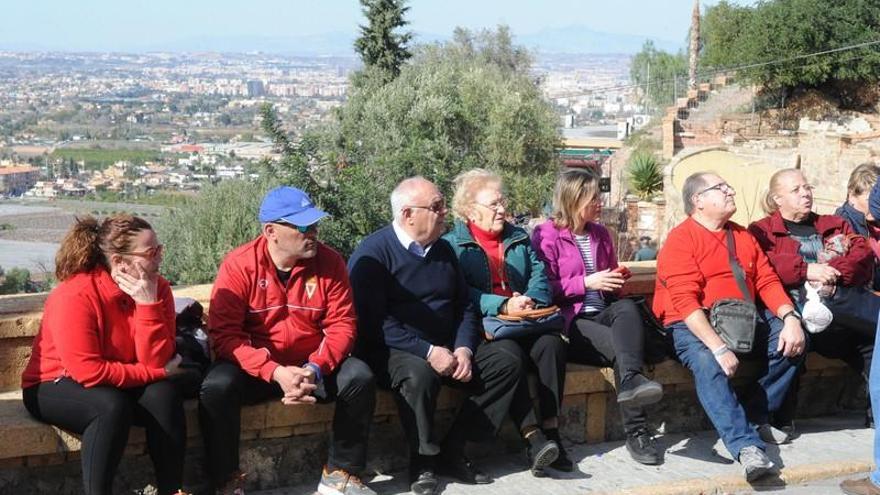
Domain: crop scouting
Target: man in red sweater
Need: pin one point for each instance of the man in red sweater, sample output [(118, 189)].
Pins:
[(282, 326), (694, 271)]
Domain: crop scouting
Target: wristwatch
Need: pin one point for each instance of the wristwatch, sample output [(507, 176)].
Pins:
[(792, 313)]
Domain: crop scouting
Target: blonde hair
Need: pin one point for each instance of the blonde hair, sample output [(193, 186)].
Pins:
[(862, 179), (467, 185), (768, 204), (573, 188), (88, 242)]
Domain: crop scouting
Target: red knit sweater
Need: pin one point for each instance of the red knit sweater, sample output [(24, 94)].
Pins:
[(693, 271), (95, 334), (494, 249)]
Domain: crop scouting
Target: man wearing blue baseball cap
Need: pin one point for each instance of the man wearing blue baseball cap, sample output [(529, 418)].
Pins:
[(282, 325)]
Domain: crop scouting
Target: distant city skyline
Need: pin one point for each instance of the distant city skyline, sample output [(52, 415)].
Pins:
[(329, 26)]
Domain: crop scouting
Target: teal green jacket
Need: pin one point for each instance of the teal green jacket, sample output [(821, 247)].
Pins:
[(525, 272)]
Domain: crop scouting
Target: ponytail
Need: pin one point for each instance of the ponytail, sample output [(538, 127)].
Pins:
[(80, 250), (83, 248), (768, 204)]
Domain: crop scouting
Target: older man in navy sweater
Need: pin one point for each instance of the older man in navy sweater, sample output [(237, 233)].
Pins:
[(418, 330)]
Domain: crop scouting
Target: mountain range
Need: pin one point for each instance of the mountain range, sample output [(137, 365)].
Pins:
[(571, 39)]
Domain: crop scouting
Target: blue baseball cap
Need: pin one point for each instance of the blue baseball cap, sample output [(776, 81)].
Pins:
[(289, 204)]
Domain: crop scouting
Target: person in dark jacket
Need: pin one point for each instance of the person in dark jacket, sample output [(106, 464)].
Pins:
[(862, 186), (794, 239), (505, 276)]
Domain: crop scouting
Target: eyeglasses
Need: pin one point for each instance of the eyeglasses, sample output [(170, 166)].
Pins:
[(495, 206), (302, 229), (724, 187), (437, 207), (149, 254)]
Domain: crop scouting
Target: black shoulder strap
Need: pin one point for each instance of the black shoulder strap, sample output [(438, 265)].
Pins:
[(738, 273)]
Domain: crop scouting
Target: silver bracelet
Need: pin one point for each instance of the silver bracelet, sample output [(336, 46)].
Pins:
[(720, 351)]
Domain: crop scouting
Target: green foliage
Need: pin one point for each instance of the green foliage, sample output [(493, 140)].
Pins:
[(199, 234), (379, 45), (645, 174), (467, 103), (661, 76), (781, 29), (16, 281)]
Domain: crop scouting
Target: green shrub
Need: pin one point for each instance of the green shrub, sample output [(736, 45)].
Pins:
[(198, 234)]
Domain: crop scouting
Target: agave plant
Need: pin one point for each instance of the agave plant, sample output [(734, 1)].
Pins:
[(645, 174)]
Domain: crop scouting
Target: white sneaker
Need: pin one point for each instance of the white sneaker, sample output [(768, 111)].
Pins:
[(773, 435), (755, 463)]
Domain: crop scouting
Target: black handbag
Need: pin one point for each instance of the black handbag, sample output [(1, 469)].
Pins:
[(734, 319)]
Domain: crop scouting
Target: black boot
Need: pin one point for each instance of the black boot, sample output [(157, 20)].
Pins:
[(541, 452), (562, 462)]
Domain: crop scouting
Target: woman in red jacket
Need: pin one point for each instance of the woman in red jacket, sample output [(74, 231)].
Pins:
[(105, 346), (823, 250)]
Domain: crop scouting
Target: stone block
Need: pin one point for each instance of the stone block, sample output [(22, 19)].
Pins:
[(311, 429), (595, 422), (277, 432), (278, 414)]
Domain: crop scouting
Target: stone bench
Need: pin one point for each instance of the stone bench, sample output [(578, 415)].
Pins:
[(32, 450)]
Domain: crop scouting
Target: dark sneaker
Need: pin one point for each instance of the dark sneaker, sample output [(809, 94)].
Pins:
[(637, 390), (755, 463), (463, 470), (861, 486), (424, 483), (642, 447), (541, 452), (341, 482), (562, 462)]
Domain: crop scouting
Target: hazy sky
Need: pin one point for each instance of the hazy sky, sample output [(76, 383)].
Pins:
[(110, 24)]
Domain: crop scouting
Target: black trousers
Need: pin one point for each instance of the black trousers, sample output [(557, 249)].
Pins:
[(104, 415), (497, 387), (614, 337), (227, 388), (546, 357)]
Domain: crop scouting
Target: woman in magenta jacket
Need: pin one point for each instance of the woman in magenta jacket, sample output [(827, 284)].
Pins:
[(105, 347), (603, 330)]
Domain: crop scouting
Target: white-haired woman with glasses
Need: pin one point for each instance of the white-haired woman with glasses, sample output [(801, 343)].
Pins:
[(105, 348), (505, 276)]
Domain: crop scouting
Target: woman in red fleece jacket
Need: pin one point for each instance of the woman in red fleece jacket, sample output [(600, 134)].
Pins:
[(796, 241), (105, 345)]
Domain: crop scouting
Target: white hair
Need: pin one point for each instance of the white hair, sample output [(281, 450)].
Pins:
[(402, 195)]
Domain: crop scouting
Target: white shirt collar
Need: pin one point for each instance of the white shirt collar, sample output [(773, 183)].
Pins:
[(406, 241)]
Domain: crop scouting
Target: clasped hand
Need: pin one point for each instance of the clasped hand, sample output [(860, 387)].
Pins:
[(453, 364), (296, 383)]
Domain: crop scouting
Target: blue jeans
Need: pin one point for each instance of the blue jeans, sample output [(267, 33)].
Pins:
[(734, 422), (874, 389)]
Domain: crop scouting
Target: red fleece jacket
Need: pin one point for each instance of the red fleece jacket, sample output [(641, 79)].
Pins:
[(259, 324), (856, 267), (95, 334)]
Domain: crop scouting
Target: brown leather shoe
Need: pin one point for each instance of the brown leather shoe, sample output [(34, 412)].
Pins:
[(862, 486)]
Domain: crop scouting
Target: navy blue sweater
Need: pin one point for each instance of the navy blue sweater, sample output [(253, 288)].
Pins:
[(407, 302)]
